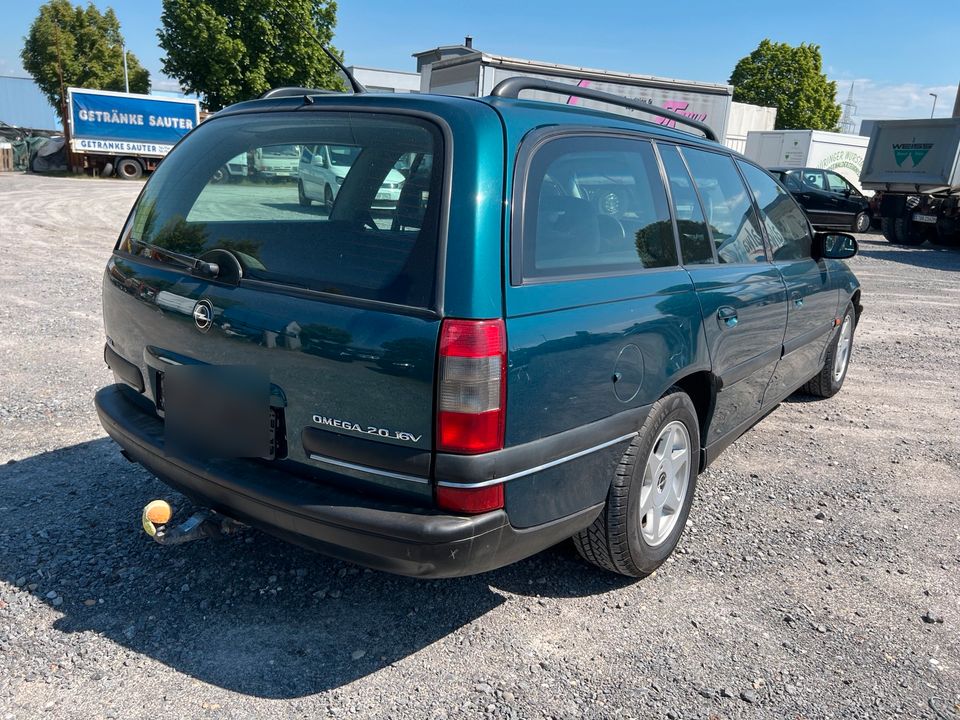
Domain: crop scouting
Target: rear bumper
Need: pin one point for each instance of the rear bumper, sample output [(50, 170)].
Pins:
[(381, 535)]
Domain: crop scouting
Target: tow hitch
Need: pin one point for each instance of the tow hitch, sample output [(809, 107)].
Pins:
[(202, 524)]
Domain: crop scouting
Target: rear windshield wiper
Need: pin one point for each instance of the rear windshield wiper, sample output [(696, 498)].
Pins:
[(201, 267)]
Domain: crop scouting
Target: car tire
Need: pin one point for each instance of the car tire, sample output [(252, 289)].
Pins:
[(129, 169), (301, 196), (829, 380), (861, 223), (327, 198), (629, 536)]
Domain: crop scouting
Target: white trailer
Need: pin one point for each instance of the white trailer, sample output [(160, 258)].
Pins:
[(478, 73), (744, 119), (915, 165), (842, 153)]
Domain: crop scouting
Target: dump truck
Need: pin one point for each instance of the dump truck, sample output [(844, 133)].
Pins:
[(915, 165), (126, 134)]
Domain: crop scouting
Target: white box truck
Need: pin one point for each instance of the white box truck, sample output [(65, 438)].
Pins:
[(915, 166), (839, 152), (478, 73)]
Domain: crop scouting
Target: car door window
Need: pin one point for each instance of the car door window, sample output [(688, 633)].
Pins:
[(695, 246), (814, 179), (730, 215), (785, 223), (595, 205), (837, 184)]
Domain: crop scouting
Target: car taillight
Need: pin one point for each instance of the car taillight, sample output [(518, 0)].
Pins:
[(470, 500), (472, 391)]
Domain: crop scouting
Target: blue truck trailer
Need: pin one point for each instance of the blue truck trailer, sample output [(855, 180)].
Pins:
[(126, 134)]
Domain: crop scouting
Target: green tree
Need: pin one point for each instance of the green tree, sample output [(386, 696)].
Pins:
[(232, 50), (81, 44), (791, 80)]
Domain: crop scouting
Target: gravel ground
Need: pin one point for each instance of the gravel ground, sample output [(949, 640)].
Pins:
[(819, 576)]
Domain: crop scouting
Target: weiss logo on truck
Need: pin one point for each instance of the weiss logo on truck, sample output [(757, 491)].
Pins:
[(915, 151)]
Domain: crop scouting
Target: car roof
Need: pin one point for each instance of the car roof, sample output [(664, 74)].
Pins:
[(518, 115), (801, 169)]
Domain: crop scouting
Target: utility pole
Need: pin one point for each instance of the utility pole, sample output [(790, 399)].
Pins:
[(126, 79), (934, 96), (956, 104)]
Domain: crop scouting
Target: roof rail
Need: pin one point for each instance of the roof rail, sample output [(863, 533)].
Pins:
[(291, 91), (511, 88)]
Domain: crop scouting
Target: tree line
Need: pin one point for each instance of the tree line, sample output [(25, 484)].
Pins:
[(226, 51)]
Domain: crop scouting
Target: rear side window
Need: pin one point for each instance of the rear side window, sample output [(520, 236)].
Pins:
[(730, 214), (783, 219), (792, 181), (595, 205), (691, 224), (341, 203)]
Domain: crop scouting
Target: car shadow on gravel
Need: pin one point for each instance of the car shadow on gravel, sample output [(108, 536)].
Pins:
[(926, 256), (249, 613)]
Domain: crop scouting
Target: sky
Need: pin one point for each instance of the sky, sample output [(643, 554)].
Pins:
[(893, 58)]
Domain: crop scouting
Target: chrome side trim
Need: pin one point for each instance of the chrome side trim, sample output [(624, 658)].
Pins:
[(538, 468), (368, 470)]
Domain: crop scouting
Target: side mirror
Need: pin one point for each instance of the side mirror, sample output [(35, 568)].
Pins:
[(834, 246)]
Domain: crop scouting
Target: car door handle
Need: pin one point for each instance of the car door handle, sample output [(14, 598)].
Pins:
[(805, 196), (797, 299), (727, 317)]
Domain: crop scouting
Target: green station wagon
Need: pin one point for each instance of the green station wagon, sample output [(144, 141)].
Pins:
[(565, 318)]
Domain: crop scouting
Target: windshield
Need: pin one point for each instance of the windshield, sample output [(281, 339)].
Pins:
[(369, 233), (343, 156), (281, 151)]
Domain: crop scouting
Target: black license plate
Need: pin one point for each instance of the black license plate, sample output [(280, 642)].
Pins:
[(217, 411)]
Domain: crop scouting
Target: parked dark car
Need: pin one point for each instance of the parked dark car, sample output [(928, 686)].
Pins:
[(567, 316), (829, 199)]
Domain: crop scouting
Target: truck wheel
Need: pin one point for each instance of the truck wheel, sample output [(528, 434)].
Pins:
[(829, 380), (946, 239), (129, 169), (886, 227), (861, 223), (906, 233), (328, 198), (651, 493), (219, 175)]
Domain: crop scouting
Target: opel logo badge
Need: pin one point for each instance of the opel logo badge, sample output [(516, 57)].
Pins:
[(203, 315)]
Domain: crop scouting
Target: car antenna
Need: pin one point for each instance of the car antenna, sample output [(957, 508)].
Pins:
[(358, 88)]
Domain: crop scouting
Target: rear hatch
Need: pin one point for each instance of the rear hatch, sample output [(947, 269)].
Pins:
[(335, 308)]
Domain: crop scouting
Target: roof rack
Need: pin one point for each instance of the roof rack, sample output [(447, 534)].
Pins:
[(292, 91), (512, 87)]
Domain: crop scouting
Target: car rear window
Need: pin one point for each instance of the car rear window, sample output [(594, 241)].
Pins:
[(342, 203)]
